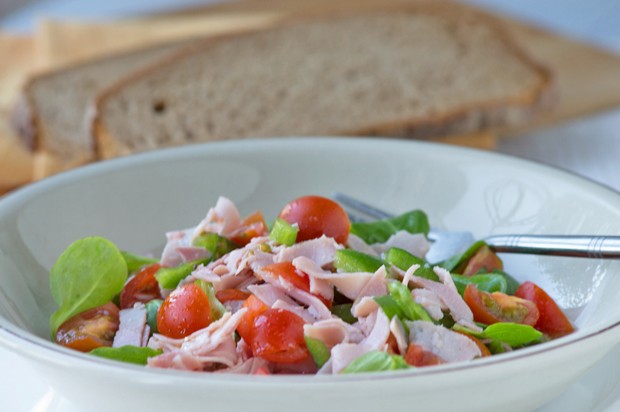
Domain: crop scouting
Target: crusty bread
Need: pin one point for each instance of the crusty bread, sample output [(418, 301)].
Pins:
[(52, 113), (419, 71)]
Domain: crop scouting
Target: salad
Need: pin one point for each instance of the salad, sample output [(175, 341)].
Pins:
[(312, 294)]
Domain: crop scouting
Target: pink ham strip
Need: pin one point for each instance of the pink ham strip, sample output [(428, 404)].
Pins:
[(132, 327), (276, 298), (430, 301), (357, 243), (321, 251), (414, 243), (374, 287), (398, 331), (333, 332), (446, 292), (170, 256), (349, 284), (448, 345), (177, 359), (191, 253), (345, 353), (213, 344), (248, 367), (223, 219)]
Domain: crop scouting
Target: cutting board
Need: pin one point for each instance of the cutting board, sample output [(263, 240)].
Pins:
[(587, 79)]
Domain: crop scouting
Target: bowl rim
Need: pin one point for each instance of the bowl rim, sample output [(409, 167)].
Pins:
[(12, 336)]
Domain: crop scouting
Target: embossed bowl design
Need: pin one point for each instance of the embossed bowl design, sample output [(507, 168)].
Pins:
[(133, 201)]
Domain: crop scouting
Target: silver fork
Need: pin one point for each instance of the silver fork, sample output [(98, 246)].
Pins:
[(446, 244)]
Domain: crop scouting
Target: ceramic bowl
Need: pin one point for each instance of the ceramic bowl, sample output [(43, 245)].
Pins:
[(134, 200)]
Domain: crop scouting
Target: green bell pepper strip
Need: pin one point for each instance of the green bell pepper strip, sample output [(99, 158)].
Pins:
[(216, 244), (343, 311), (318, 350), (217, 308), (152, 307), (348, 260), (169, 278), (283, 232), (404, 260)]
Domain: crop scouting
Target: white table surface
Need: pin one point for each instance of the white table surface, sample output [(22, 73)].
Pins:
[(589, 147)]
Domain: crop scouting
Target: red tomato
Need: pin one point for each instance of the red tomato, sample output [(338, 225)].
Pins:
[(226, 295), (552, 320), (251, 227), (298, 279), (143, 287), (184, 311), (489, 308), (90, 329), (278, 336), (317, 216), (419, 357), (254, 307), (484, 259)]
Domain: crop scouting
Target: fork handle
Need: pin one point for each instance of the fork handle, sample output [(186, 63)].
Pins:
[(597, 247)]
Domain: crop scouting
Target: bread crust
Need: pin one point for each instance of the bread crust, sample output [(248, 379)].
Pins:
[(465, 119)]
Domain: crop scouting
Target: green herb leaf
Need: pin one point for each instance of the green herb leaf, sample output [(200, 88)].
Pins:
[(380, 231), (89, 273), (343, 311), (457, 260), (376, 361), (283, 232), (318, 350), (129, 354), (136, 262), (152, 307), (349, 260), (389, 306), (488, 282)]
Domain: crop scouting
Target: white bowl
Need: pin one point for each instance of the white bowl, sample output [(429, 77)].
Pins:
[(133, 201)]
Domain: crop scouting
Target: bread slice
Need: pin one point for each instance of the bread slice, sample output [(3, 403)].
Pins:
[(416, 71), (52, 112)]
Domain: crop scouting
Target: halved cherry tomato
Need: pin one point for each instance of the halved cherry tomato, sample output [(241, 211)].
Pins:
[(418, 356), (252, 226), (299, 279), (184, 311), (90, 329), (317, 216), (483, 260), (278, 336), (489, 308), (552, 320), (226, 295), (254, 307), (143, 287)]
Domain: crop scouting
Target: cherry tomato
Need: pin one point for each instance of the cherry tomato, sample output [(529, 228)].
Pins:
[(143, 287), (489, 308), (226, 295), (254, 307), (278, 336), (300, 280), (419, 357), (483, 260), (90, 329), (251, 227), (317, 216), (184, 311), (552, 320)]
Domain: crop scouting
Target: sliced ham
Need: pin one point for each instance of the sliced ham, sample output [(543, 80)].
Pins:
[(133, 328), (321, 251), (414, 243), (446, 344), (446, 291), (176, 359), (213, 344), (429, 301), (379, 333), (250, 366), (333, 332), (191, 253), (223, 219), (170, 256), (348, 284), (357, 243), (398, 331), (375, 286), (343, 354)]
